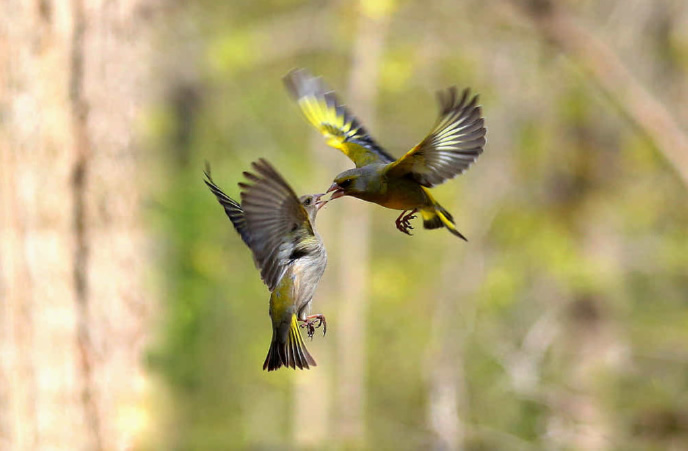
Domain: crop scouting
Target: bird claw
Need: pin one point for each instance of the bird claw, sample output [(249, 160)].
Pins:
[(405, 229), (403, 223), (310, 324)]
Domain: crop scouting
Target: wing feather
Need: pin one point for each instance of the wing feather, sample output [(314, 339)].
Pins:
[(232, 207), (339, 127), (454, 143), (277, 221)]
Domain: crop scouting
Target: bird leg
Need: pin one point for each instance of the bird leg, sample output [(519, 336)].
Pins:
[(399, 224), (403, 223), (310, 324)]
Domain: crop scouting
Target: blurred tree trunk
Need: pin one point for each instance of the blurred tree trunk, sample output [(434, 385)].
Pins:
[(347, 277), (454, 316), (354, 230), (447, 395), (72, 248), (313, 395), (591, 352)]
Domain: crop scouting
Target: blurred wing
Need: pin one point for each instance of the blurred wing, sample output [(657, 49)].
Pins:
[(232, 207), (339, 127), (280, 230), (455, 142)]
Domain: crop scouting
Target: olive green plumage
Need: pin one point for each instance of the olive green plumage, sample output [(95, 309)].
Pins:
[(279, 228), (454, 143)]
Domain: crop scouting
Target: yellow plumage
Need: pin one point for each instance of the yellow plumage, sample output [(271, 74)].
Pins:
[(453, 144)]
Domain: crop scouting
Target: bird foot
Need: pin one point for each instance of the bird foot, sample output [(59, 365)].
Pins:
[(403, 223), (313, 322)]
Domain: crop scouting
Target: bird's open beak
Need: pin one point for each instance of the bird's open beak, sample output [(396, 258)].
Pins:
[(319, 203), (336, 191)]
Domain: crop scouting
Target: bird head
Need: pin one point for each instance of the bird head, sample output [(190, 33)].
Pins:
[(353, 182), (312, 203)]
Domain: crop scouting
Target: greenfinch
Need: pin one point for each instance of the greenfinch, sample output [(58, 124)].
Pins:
[(279, 228), (456, 141)]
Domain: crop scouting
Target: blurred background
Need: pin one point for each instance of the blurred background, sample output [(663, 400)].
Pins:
[(132, 316)]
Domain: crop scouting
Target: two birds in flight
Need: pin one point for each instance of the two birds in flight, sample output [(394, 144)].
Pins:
[(279, 227)]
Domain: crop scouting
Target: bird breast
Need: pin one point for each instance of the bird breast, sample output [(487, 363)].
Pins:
[(306, 273)]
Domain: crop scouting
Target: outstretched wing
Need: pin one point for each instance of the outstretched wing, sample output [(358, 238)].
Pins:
[(232, 207), (339, 127), (454, 143), (280, 230)]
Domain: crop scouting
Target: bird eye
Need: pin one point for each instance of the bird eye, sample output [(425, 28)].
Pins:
[(307, 202), (345, 183)]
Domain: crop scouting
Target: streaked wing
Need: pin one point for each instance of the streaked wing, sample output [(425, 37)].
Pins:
[(232, 207), (339, 127), (280, 230), (454, 143)]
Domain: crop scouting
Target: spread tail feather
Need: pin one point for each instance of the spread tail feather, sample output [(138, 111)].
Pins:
[(288, 349), (436, 217)]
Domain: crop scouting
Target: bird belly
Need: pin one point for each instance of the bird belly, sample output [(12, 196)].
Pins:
[(402, 194), (295, 290)]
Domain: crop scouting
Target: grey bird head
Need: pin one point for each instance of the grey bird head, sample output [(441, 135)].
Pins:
[(312, 203)]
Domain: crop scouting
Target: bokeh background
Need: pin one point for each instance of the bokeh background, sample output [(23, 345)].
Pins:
[(133, 317)]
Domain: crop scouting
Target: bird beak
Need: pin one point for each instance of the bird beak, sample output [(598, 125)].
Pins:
[(338, 191), (320, 203)]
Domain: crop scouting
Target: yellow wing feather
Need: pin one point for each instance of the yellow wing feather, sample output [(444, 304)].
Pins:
[(340, 128)]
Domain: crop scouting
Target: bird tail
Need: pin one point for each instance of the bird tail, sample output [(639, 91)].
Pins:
[(287, 348), (436, 217)]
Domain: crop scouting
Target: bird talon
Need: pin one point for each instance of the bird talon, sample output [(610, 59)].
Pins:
[(405, 229), (403, 223), (310, 324)]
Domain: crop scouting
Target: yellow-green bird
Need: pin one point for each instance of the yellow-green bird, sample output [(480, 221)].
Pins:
[(456, 141), (279, 228)]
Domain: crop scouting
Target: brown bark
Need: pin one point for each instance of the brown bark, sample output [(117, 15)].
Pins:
[(71, 242)]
